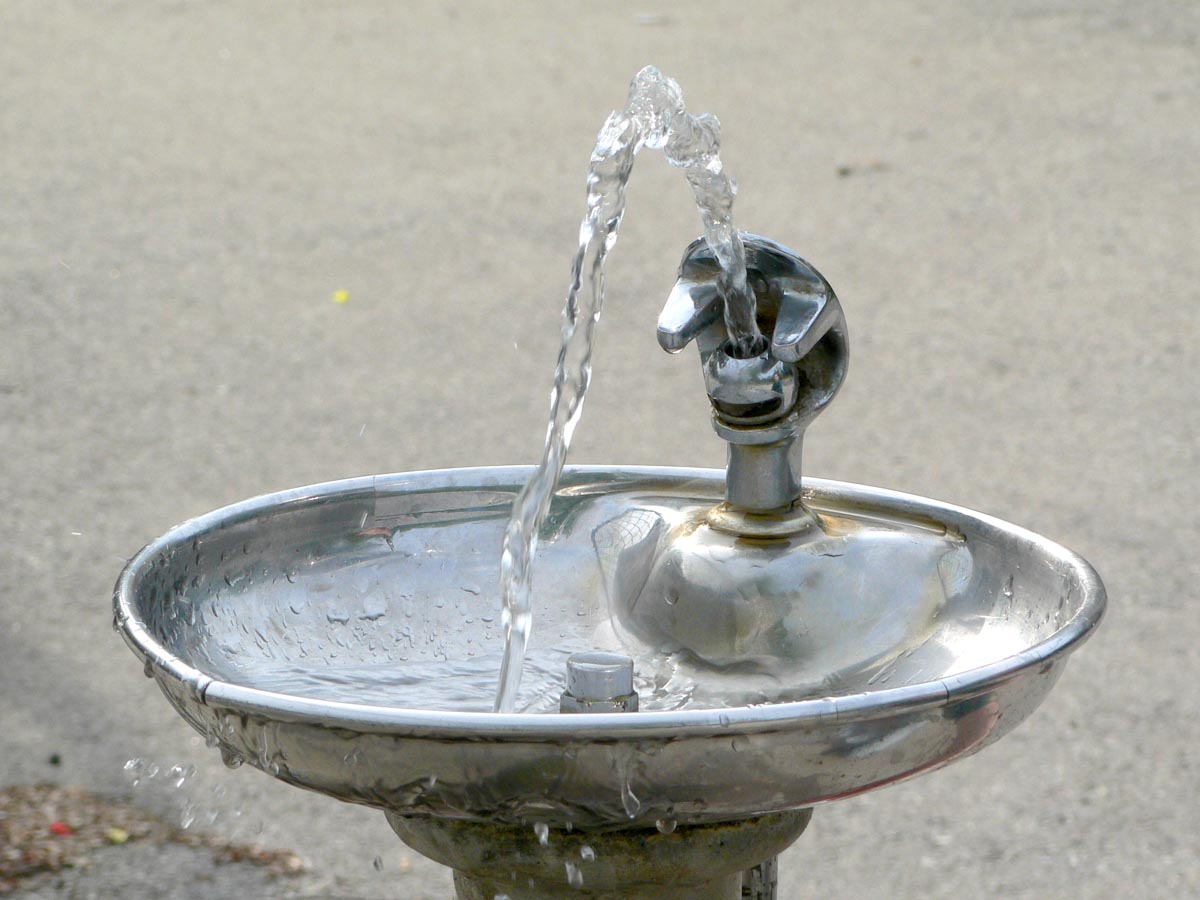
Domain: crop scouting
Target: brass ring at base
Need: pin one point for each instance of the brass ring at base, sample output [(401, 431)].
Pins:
[(787, 523)]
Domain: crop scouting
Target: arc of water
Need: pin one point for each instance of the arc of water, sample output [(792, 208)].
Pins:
[(654, 116)]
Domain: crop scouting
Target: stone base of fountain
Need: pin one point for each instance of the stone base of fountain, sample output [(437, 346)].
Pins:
[(703, 862)]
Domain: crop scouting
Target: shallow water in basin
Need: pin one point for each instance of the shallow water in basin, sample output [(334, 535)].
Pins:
[(663, 682)]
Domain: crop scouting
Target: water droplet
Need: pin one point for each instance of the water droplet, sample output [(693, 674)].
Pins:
[(231, 758), (373, 610), (665, 826), (574, 875), (133, 768), (542, 830), (629, 800)]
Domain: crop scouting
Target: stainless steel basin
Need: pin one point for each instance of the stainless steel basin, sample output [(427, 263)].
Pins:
[(311, 633)]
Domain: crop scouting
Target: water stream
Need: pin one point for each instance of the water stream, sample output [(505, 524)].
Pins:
[(655, 116)]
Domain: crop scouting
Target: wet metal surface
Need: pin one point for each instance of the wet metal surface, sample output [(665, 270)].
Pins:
[(911, 634)]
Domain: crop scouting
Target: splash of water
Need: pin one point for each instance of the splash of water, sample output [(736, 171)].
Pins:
[(654, 116)]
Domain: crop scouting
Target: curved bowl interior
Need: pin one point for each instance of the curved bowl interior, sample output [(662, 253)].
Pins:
[(347, 637)]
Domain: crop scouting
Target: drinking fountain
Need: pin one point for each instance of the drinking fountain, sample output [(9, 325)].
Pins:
[(714, 654)]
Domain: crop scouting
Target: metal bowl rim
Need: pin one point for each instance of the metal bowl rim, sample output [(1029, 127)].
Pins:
[(649, 725)]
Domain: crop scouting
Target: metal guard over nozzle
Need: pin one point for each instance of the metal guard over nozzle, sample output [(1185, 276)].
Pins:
[(761, 405)]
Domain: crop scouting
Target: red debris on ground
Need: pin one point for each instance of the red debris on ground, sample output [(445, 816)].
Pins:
[(46, 827)]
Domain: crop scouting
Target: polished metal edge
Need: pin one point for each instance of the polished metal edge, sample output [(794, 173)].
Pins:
[(822, 494)]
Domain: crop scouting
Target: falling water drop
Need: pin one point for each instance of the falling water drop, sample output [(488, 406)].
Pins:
[(574, 875), (629, 801), (231, 758), (133, 769)]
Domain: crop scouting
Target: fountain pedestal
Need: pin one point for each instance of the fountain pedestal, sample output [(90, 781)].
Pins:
[(703, 862)]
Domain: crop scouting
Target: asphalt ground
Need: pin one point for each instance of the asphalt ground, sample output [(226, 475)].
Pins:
[(1004, 196)]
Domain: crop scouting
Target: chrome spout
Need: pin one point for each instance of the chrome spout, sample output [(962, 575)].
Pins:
[(761, 405)]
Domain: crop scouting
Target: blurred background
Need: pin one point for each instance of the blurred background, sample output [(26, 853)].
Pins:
[(1004, 196)]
